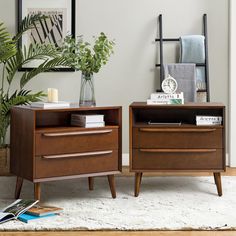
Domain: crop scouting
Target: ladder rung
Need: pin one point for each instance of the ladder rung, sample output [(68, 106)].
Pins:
[(197, 64), (198, 91), (168, 39)]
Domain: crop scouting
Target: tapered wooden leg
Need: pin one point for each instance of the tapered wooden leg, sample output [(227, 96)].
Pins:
[(91, 183), (37, 191), (138, 179), (217, 177), (19, 182), (111, 180)]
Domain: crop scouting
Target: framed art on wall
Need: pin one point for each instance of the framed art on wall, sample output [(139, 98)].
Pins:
[(60, 22)]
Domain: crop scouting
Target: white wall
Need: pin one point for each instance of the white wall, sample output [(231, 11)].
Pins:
[(130, 74), (232, 92)]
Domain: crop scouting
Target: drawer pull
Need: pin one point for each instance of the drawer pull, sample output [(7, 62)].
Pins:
[(77, 133), (177, 130), (178, 150), (82, 154)]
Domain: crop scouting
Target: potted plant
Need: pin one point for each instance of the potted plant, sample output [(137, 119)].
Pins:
[(12, 58), (88, 59)]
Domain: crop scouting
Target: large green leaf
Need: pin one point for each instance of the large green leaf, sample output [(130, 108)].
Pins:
[(29, 22), (22, 97), (34, 52), (7, 45), (44, 67)]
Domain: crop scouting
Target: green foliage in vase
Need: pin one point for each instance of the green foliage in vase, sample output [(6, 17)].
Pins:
[(83, 56), (13, 58)]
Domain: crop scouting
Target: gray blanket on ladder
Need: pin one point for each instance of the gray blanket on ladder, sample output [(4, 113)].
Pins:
[(192, 50), (185, 75)]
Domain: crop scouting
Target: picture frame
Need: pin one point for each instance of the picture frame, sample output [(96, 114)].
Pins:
[(61, 11)]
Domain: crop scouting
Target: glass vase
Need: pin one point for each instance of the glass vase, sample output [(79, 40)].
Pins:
[(87, 93)]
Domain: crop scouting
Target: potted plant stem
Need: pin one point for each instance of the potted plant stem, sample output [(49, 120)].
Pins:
[(12, 58)]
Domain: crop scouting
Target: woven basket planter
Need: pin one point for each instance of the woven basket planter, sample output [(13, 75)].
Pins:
[(4, 161)]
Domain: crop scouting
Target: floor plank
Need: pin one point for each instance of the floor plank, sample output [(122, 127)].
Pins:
[(123, 233)]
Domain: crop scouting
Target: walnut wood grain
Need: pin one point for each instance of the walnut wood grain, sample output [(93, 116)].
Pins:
[(174, 143), (37, 191), (91, 183), (111, 181), (19, 183), (177, 138), (217, 177), (45, 147), (137, 183)]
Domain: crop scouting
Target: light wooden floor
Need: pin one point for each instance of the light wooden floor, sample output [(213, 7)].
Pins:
[(123, 233), (229, 172)]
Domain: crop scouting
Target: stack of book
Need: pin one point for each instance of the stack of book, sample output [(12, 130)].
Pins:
[(87, 121), (48, 105), (39, 212), (166, 98), (208, 120)]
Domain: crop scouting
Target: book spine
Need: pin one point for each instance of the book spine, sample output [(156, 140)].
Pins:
[(88, 125), (88, 118), (166, 101), (209, 118), (164, 96)]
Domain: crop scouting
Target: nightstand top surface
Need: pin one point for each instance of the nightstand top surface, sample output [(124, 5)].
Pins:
[(186, 105), (73, 107)]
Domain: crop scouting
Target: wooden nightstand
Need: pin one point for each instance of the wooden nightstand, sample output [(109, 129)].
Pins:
[(175, 142), (45, 147)]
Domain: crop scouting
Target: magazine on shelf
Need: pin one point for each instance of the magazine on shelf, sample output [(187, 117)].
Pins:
[(50, 104), (15, 209), (208, 120)]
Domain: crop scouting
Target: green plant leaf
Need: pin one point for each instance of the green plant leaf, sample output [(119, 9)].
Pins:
[(28, 23), (7, 45), (44, 67)]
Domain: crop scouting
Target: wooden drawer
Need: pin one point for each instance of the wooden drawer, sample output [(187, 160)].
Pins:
[(48, 143), (177, 137), (177, 159), (76, 163)]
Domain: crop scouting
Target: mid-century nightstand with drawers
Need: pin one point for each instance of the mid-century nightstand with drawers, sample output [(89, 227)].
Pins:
[(166, 138), (45, 147)]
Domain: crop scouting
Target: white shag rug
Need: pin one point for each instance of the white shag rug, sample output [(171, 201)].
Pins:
[(164, 203)]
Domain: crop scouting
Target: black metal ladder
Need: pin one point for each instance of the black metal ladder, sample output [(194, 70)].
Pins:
[(205, 64)]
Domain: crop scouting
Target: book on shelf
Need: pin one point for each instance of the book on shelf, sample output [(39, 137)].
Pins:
[(87, 118), (167, 101), (208, 120), (46, 105), (165, 96), (26, 218), (14, 210), (88, 125), (38, 210)]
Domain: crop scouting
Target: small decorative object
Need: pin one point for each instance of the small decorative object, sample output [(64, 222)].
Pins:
[(58, 22), (87, 92), (169, 84), (52, 95), (88, 59)]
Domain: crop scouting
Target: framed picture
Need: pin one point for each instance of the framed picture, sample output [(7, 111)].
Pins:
[(60, 22)]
